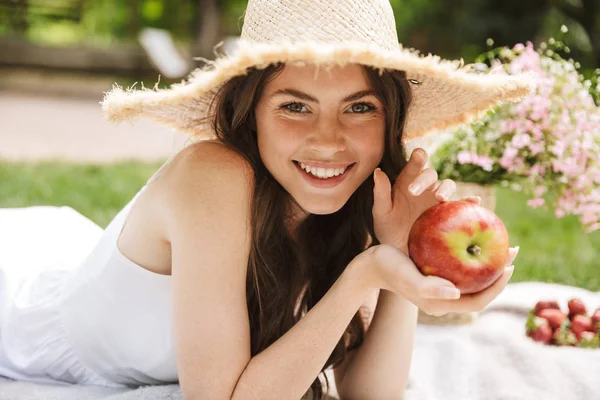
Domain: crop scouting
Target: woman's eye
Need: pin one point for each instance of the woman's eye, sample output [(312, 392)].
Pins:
[(295, 107), (361, 108)]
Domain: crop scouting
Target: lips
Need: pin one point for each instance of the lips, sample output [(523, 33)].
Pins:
[(324, 165), (324, 182)]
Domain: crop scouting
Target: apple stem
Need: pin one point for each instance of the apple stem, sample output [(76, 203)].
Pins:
[(474, 250)]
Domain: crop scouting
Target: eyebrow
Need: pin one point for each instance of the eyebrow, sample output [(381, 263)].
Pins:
[(308, 97)]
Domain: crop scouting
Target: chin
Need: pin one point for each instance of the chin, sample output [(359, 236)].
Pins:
[(323, 207)]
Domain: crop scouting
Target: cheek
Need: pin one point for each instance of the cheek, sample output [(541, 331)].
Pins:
[(279, 133), (278, 141), (369, 137)]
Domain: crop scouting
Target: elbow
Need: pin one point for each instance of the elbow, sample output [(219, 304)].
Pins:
[(201, 396), (188, 394), (395, 396), (397, 393)]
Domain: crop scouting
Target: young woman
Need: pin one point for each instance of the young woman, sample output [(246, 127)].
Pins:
[(276, 246)]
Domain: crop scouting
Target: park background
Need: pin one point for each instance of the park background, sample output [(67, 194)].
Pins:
[(58, 57)]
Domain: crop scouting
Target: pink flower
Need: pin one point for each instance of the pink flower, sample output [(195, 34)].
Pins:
[(539, 191), (464, 157), (559, 148), (536, 148), (535, 203), (469, 157), (551, 139), (529, 60), (497, 68), (521, 140), (593, 227), (485, 162), (537, 170)]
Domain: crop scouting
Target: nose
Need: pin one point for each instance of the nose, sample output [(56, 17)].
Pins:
[(327, 138)]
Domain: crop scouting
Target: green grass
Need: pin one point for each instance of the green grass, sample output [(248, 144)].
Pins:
[(552, 250), (96, 191)]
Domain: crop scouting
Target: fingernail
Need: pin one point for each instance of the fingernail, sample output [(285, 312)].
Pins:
[(415, 189), (510, 269), (449, 293), (517, 250)]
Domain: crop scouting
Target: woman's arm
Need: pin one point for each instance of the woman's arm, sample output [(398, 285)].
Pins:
[(379, 368), (204, 199), (287, 368)]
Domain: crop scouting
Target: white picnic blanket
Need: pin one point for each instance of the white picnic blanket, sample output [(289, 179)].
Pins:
[(491, 359)]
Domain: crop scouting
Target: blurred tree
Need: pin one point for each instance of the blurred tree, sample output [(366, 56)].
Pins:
[(208, 27), (452, 29), (460, 28), (587, 14)]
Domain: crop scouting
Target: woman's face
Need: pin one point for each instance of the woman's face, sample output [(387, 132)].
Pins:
[(320, 133)]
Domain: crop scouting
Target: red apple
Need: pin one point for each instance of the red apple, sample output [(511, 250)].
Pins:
[(462, 242)]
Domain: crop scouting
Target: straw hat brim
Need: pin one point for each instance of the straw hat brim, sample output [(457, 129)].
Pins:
[(447, 93)]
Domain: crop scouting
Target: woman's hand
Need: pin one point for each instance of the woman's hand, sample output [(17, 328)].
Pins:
[(386, 267), (396, 209)]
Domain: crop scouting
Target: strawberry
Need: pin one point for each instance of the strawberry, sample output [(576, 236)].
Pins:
[(596, 320), (538, 329), (581, 323), (542, 334), (563, 336), (555, 317), (588, 340), (545, 304), (576, 307)]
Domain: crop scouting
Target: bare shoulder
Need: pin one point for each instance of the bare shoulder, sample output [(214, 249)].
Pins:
[(210, 160), (205, 177)]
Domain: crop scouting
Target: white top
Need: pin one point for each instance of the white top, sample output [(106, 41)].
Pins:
[(79, 311)]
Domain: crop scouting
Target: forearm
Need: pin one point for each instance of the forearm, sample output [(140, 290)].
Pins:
[(380, 367), (288, 367)]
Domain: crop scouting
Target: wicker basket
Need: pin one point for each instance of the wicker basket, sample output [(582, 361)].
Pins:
[(488, 200)]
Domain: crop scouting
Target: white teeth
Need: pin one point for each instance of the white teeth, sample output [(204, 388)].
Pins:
[(323, 173)]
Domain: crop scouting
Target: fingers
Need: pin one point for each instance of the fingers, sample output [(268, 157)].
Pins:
[(473, 199), (427, 179), (445, 190), (382, 198), (418, 160), (512, 254), (433, 287), (478, 301)]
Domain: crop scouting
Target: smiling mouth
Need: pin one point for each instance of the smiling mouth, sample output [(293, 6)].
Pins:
[(324, 173)]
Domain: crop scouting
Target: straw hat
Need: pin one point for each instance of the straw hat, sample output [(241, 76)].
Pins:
[(325, 32)]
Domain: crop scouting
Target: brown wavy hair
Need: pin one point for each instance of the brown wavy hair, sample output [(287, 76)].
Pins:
[(288, 274)]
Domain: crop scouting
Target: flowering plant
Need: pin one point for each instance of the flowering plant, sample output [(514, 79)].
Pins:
[(548, 145)]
